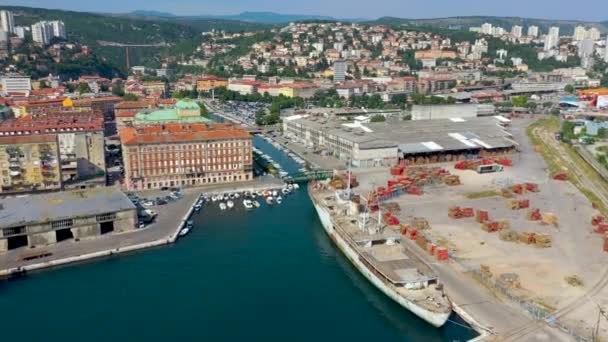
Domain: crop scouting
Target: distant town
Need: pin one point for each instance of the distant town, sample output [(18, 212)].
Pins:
[(438, 159)]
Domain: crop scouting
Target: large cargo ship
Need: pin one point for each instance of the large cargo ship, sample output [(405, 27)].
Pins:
[(380, 256)]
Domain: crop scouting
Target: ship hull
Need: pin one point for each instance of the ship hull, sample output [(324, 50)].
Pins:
[(434, 318)]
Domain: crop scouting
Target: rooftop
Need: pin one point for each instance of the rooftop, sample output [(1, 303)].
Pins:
[(18, 211), (179, 133)]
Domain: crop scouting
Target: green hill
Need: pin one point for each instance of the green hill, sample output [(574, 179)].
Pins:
[(178, 35)]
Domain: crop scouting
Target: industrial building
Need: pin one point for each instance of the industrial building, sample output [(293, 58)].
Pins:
[(157, 156), (45, 219), (29, 163), (449, 111), (384, 143)]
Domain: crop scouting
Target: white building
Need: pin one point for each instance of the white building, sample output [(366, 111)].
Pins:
[(579, 33), (44, 31), (16, 84), (533, 31), (593, 34), (486, 28), (58, 29), (8, 23), (340, 71), (606, 51), (552, 38), (516, 31), (586, 47), (20, 31)]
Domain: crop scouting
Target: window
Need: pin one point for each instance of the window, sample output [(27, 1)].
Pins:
[(108, 216), (6, 232), (62, 224)]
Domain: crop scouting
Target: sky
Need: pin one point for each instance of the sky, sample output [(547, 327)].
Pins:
[(593, 10)]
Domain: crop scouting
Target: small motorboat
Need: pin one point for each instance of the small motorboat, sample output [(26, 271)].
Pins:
[(290, 186), (256, 204), (269, 200), (275, 193), (184, 232), (237, 195), (222, 206), (296, 186), (248, 204), (254, 195), (285, 191), (279, 200), (198, 206), (230, 204), (230, 196), (214, 198)]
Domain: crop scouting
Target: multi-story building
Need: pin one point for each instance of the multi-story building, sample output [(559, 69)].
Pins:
[(58, 29), (44, 31), (593, 34), (16, 84), (579, 33), (210, 82), (20, 31), (533, 31), (606, 51), (516, 31), (552, 38), (486, 28), (185, 155), (340, 71), (7, 21), (45, 219), (29, 163)]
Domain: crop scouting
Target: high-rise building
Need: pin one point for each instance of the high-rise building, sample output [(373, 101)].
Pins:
[(593, 34), (552, 38), (340, 71), (8, 23), (579, 33), (516, 31), (44, 31), (606, 51), (486, 28), (586, 48), (20, 31), (533, 31), (58, 29)]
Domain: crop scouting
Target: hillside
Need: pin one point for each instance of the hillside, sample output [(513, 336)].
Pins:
[(248, 17), (566, 26), (180, 35)]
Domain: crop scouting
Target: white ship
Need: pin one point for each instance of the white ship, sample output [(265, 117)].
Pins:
[(381, 258)]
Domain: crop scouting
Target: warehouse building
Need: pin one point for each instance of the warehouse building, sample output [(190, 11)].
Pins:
[(45, 219), (385, 143)]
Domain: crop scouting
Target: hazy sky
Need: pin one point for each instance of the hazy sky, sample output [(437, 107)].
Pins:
[(554, 9)]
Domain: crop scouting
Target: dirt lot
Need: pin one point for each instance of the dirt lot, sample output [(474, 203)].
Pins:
[(575, 249)]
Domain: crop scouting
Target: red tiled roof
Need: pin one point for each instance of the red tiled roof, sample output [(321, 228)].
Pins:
[(29, 139), (177, 133)]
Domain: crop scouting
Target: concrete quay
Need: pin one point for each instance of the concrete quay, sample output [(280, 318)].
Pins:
[(171, 218)]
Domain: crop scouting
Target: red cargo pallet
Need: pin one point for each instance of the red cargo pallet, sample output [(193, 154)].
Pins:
[(524, 204), (597, 219), (433, 250), (605, 243), (414, 190), (532, 187), (442, 254), (467, 212), (562, 176), (413, 234), (601, 229)]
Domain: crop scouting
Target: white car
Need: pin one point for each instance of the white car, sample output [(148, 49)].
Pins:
[(147, 203)]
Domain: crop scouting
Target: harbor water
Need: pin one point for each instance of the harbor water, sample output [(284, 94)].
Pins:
[(269, 274)]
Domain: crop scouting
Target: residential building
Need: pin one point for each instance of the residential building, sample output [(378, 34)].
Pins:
[(45, 219), (533, 31), (7, 21), (185, 155), (606, 51), (486, 28), (29, 163), (243, 87), (42, 33), (16, 84), (552, 38), (516, 31), (579, 33), (586, 48), (210, 82), (593, 34), (58, 29), (20, 31), (340, 67)]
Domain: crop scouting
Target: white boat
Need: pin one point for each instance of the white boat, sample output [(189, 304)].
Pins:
[(290, 186), (418, 291), (230, 204), (231, 196), (296, 186), (256, 204), (184, 232), (248, 204), (214, 198), (237, 195), (279, 200), (285, 191), (222, 206), (269, 200), (198, 206), (275, 193)]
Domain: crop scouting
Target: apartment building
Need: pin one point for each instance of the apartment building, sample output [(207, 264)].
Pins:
[(167, 155)]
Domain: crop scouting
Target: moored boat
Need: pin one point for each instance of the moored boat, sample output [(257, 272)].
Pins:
[(222, 206), (230, 204), (269, 200)]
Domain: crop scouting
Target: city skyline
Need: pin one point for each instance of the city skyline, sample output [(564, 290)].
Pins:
[(341, 9)]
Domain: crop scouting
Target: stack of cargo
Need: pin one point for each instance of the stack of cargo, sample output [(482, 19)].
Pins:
[(532, 187), (482, 216), (473, 164), (509, 235), (442, 254), (507, 193), (452, 180), (534, 215), (519, 204), (392, 207), (542, 240), (490, 226), (527, 238), (597, 219), (389, 219), (413, 233), (601, 228), (340, 181), (422, 242), (549, 219), (432, 248), (404, 228), (397, 170), (420, 223), (518, 189), (457, 212), (561, 176), (503, 224), (414, 190)]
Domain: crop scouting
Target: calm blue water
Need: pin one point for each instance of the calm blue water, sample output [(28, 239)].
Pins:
[(265, 275)]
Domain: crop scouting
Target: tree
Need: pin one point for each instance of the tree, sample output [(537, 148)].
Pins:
[(130, 97), (83, 88), (520, 101), (117, 91), (204, 110), (569, 89), (377, 118)]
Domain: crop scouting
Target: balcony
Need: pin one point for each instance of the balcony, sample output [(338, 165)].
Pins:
[(15, 173)]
